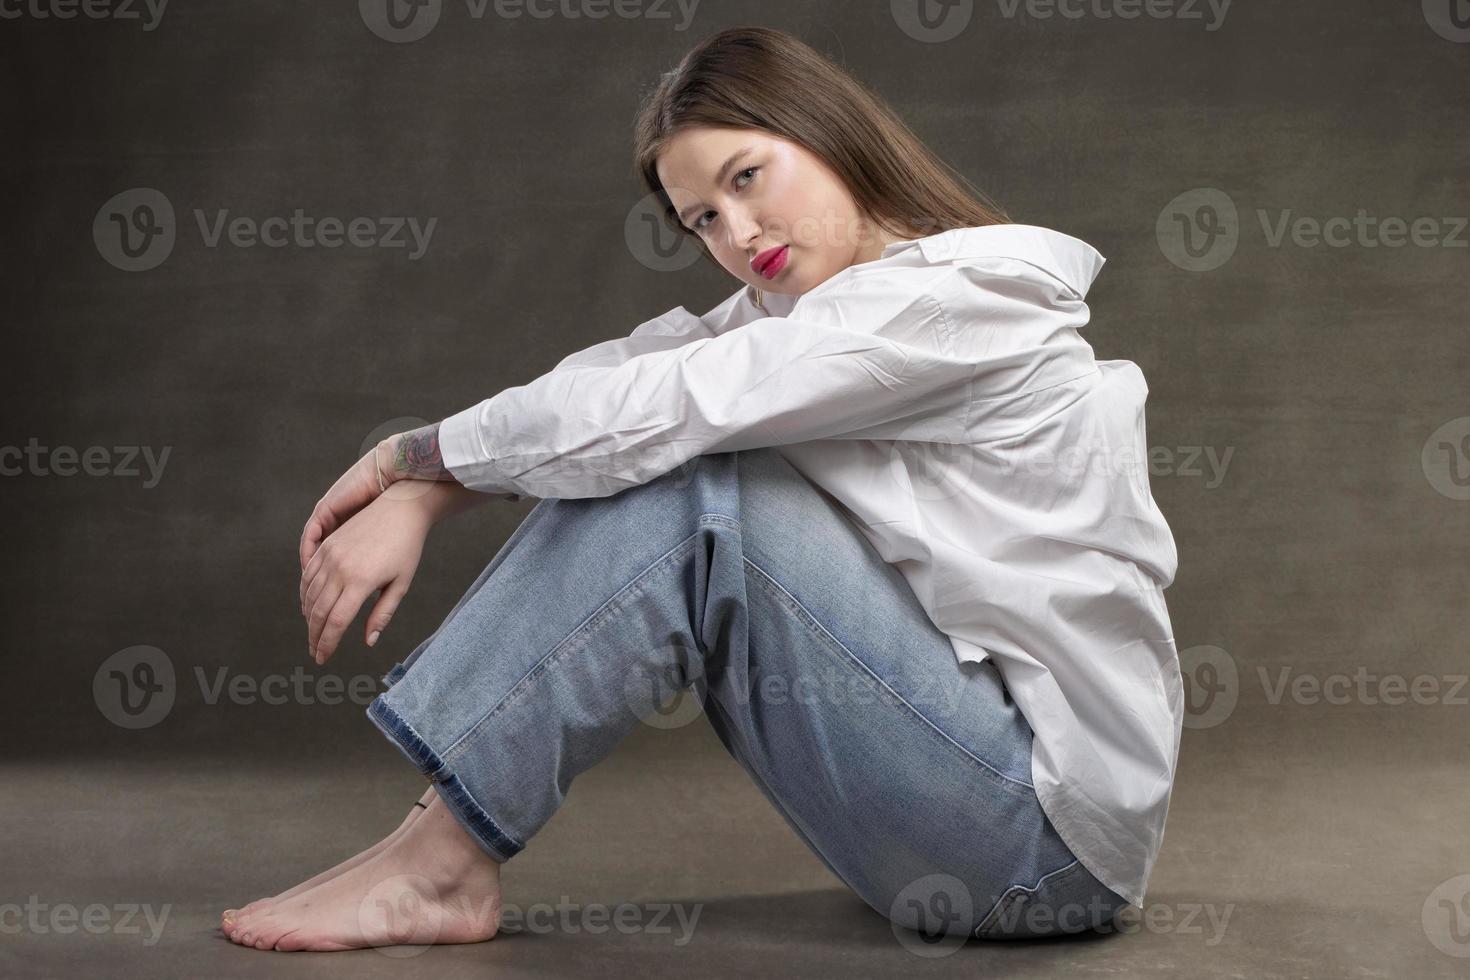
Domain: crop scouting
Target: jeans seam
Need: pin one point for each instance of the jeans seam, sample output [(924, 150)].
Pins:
[(811, 622), (1014, 893), (588, 627)]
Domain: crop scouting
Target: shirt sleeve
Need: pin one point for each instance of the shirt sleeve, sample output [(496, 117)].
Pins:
[(671, 330), (849, 369)]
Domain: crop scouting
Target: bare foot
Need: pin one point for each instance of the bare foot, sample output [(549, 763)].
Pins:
[(430, 884), (229, 919)]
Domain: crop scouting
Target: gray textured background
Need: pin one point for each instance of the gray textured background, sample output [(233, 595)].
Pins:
[(1325, 546), (1332, 547)]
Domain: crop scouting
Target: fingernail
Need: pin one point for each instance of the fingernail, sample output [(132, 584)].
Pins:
[(373, 637)]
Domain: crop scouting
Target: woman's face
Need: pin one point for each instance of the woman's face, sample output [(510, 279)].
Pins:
[(755, 197)]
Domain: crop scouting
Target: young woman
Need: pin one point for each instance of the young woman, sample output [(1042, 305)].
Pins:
[(881, 508)]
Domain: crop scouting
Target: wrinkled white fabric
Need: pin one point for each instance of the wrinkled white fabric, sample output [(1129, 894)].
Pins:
[(943, 396)]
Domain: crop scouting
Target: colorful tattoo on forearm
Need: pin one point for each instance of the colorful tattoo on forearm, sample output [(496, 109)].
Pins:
[(416, 455)]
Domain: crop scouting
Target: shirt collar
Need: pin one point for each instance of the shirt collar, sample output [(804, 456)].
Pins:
[(1071, 260), (893, 248)]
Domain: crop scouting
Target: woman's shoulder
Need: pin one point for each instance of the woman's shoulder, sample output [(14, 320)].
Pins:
[(950, 268), (1065, 258)]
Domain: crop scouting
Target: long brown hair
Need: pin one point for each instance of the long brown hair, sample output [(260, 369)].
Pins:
[(761, 78)]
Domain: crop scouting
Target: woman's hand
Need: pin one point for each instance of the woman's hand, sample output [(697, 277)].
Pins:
[(412, 455), (353, 491), (379, 547)]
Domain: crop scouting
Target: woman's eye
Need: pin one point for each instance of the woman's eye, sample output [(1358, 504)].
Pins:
[(699, 222)]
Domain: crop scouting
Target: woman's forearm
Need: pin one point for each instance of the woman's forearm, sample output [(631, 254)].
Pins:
[(413, 469), (415, 455), (444, 498)]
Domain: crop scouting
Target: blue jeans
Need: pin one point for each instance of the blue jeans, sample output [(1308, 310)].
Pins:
[(905, 771)]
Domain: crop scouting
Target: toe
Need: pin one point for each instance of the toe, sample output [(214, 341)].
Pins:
[(267, 931), (292, 941)]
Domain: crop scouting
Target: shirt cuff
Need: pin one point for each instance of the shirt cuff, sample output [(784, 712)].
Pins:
[(465, 458)]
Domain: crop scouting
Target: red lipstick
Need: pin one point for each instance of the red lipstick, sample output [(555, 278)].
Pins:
[(770, 262)]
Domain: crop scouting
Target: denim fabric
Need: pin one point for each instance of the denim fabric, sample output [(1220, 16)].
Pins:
[(905, 771)]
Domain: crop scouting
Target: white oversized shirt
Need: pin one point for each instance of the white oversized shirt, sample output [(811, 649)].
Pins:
[(943, 396)]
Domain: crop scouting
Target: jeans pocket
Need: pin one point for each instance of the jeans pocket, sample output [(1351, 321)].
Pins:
[(1067, 900)]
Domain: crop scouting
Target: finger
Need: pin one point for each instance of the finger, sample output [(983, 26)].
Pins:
[(318, 570), (384, 609), (343, 612), (319, 525), (309, 575), (323, 578), (311, 539), (317, 621)]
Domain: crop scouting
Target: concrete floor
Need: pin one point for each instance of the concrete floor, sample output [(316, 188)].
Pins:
[(1301, 843)]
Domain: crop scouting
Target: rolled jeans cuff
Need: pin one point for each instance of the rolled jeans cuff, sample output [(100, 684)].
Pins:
[(479, 824)]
